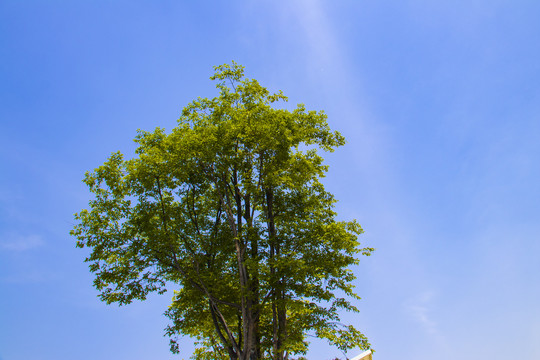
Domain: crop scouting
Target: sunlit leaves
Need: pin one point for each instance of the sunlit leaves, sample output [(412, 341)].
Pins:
[(234, 188)]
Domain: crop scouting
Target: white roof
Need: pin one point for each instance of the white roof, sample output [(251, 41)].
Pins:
[(366, 355)]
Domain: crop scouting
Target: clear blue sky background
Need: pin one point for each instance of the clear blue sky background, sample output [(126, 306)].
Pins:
[(439, 101)]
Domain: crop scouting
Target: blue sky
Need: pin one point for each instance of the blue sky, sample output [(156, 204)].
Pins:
[(439, 102)]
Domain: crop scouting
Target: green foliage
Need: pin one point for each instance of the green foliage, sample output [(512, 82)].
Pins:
[(229, 209)]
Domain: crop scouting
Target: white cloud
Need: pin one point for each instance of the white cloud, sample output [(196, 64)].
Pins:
[(25, 278), (319, 34), (21, 242), (420, 309)]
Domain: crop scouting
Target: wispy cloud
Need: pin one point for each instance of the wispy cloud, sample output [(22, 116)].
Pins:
[(325, 47), (21, 242), (420, 309), (326, 57), (25, 278)]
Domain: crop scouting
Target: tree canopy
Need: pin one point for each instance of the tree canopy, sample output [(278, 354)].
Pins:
[(228, 210)]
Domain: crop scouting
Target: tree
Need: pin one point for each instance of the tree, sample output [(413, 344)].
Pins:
[(229, 210)]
